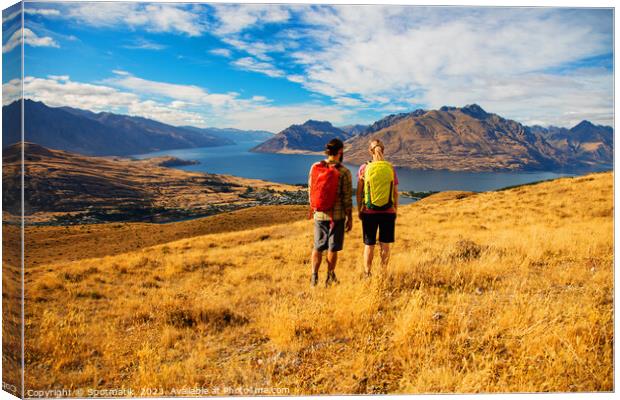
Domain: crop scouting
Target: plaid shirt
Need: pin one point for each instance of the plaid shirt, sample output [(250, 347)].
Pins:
[(344, 201)]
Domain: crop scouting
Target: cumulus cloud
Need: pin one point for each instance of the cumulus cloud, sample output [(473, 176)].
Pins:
[(348, 101), (276, 118), (11, 91), (153, 17), (221, 52), (256, 48), (10, 15), (393, 56), (250, 64), (48, 12), (538, 98), (187, 93), (390, 57), (497, 57), (59, 77), (174, 104), (144, 44), (57, 91), (234, 18), (228, 109), (30, 38)]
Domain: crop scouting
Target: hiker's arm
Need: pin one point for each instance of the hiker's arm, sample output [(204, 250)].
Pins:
[(396, 197), (309, 182), (360, 196), (348, 200), (348, 192)]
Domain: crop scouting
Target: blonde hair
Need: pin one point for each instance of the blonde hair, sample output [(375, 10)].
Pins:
[(376, 148)]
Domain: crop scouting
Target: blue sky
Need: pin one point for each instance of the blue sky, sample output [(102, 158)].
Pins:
[(269, 66)]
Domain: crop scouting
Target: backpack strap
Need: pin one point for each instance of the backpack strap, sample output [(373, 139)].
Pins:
[(332, 223), (310, 209)]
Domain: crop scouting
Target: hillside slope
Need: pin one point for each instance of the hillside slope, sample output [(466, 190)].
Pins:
[(311, 136), (72, 186), (462, 139), (508, 291)]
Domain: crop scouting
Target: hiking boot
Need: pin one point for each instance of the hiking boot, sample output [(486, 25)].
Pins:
[(331, 279), (315, 279)]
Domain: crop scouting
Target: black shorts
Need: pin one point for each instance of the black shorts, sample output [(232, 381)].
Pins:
[(327, 237), (385, 222)]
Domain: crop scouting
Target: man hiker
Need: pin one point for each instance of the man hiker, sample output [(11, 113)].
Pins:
[(377, 203), (330, 191)]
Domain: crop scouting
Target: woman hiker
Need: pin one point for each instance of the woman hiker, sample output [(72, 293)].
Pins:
[(377, 204)]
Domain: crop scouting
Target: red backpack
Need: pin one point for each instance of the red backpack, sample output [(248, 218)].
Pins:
[(323, 186)]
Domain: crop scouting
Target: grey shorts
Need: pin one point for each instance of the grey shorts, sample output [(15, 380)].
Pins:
[(326, 238)]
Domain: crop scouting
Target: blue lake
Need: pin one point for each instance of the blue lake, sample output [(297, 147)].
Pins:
[(293, 169)]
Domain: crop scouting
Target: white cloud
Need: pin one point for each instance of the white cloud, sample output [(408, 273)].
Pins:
[(144, 44), (59, 77), (153, 17), (58, 91), (171, 103), (437, 56), (33, 40), (348, 101), (48, 12), (11, 91), (296, 78), (14, 41), (168, 113), (221, 52), (188, 93), (10, 16), (30, 39), (537, 98), (277, 118), (256, 48), (250, 64), (234, 18)]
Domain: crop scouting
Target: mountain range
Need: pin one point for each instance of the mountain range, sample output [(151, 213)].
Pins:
[(450, 138), (586, 141), (463, 139), (103, 133)]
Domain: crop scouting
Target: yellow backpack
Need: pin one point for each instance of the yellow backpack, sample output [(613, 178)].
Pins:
[(379, 185)]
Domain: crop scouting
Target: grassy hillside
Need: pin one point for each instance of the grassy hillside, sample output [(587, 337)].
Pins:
[(495, 292)]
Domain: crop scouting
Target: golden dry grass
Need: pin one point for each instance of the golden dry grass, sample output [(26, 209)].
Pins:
[(496, 292), (11, 309), (55, 244)]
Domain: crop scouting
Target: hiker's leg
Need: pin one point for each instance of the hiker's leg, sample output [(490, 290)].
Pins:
[(369, 252), (317, 257), (369, 231), (321, 232), (336, 243), (386, 236), (332, 258), (385, 254)]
